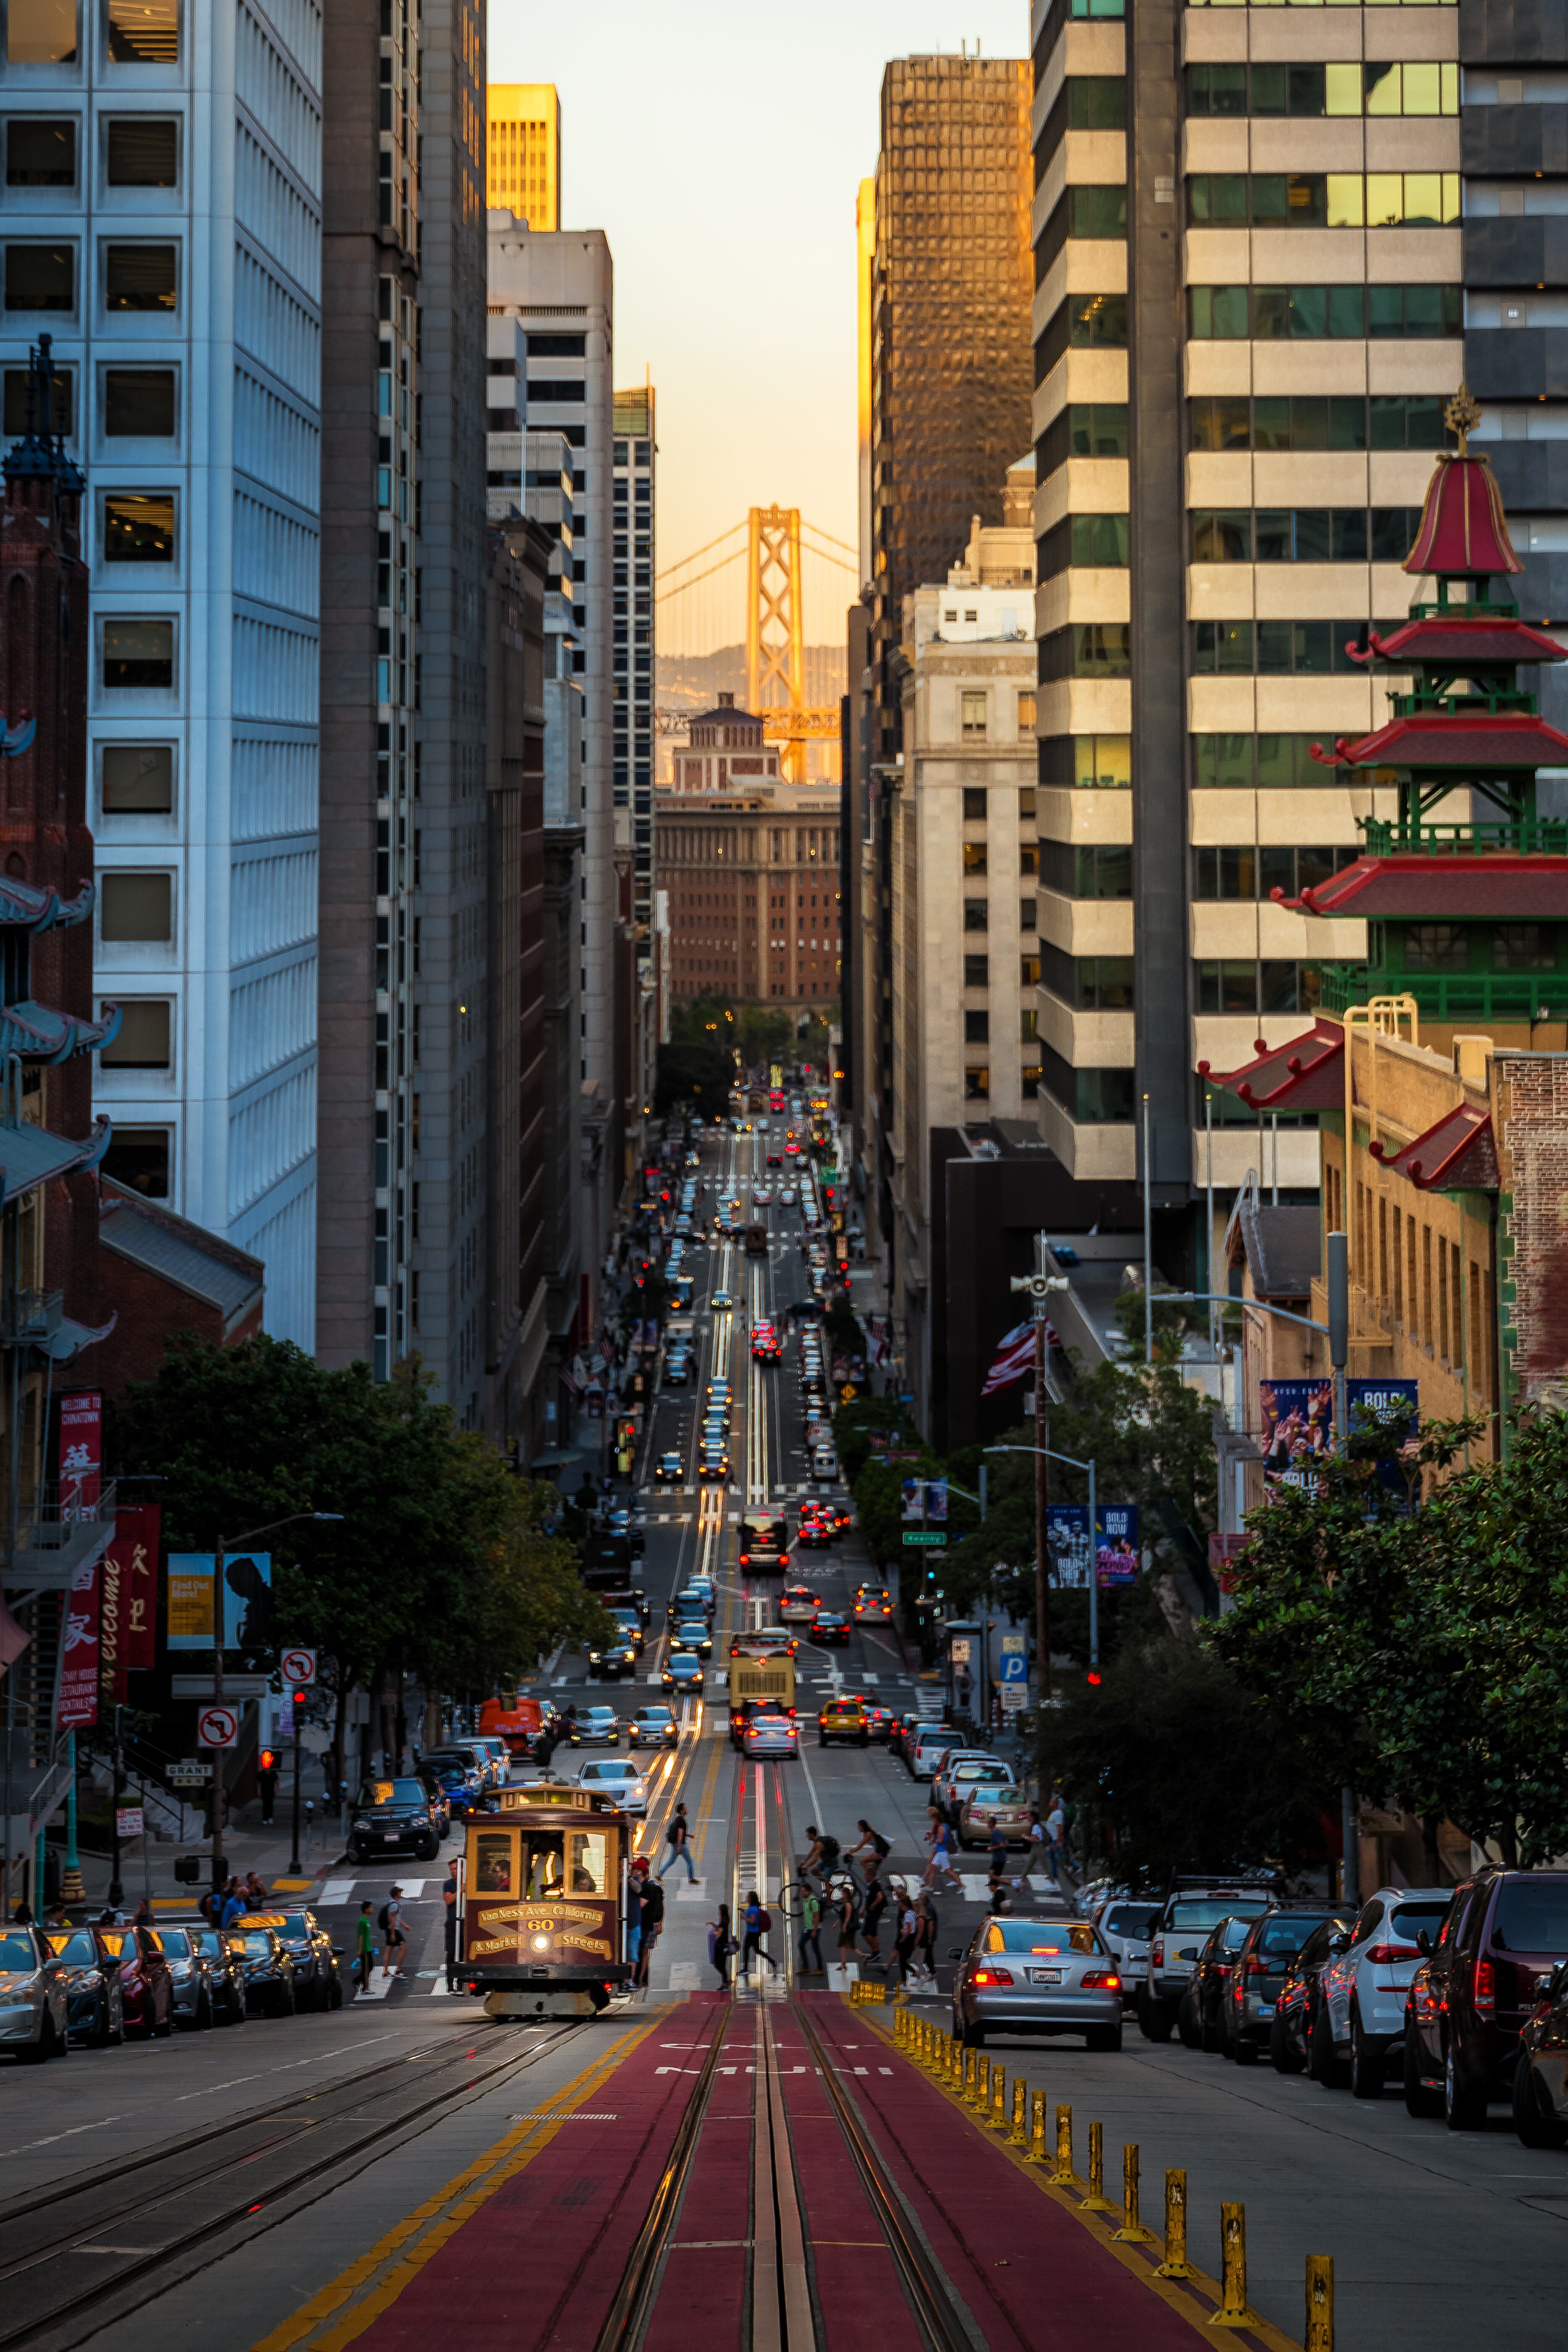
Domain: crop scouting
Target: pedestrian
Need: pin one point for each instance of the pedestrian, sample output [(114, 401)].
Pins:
[(267, 1786), (310, 1818), (904, 1940), (939, 1837), (449, 1921), (759, 1922), (652, 1906), (1056, 1837), (235, 1906), (678, 1837), (390, 1920), (810, 1933), (255, 1892), (721, 1945), (996, 1873), (57, 1917), (871, 1921), (875, 1848), (821, 1857), (144, 1915), (848, 1920), (634, 1909), (22, 1914), (926, 1928), (1037, 1860), (364, 1947)]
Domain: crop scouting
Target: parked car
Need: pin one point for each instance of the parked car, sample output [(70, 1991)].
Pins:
[(1541, 2077), (1269, 1949), (393, 1816), (843, 1717), (269, 1971), (35, 1997), (93, 2011), (146, 1987), (621, 1779), (1198, 2013), (1505, 1930), (927, 1744), (653, 1726), (225, 1974), (1192, 1907), (1296, 2004), (1126, 1923), (961, 1772), (1038, 1975), (1359, 2031), (462, 1791), (192, 1975)]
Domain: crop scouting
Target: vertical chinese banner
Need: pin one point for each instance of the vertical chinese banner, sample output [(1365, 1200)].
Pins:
[(79, 1653), (81, 1452), (135, 1548)]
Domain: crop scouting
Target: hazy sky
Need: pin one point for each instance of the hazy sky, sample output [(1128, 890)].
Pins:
[(719, 144)]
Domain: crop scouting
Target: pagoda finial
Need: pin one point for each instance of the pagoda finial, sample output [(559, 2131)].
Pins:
[(1462, 415)]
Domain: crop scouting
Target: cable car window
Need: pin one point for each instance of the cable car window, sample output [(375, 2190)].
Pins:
[(492, 1863), (544, 1870), (589, 1862)]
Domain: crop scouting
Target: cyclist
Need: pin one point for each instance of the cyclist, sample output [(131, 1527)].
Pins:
[(821, 1857), (875, 1847)]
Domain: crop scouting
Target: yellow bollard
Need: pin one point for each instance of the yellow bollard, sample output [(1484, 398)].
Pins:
[(1019, 2136), (1064, 2176), (1319, 2335), (998, 2115), (1234, 2310), (1131, 2231), (1176, 2264), (982, 2086), (972, 2078), (1037, 2154), (1097, 2201)]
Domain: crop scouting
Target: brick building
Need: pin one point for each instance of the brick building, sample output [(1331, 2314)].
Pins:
[(159, 1274), (752, 883)]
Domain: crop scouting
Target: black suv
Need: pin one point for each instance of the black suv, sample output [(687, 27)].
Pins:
[(317, 1984), (1468, 2005), (1272, 1947), (1295, 2018), (391, 1817)]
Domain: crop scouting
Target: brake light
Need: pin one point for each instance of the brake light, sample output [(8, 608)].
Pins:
[(1157, 1952), (1256, 1967), (1484, 1993), (1222, 1967), (1100, 1981), (745, 1559), (996, 1976), (1382, 1956)]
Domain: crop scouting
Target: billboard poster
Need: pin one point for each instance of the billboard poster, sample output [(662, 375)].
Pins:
[(914, 1498), (936, 1501), (1115, 1548), (1297, 1419), (77, 1706), (190, 1600), (1067, 1540), (110, 1662), (248, 1622), (81, 1452), (1116, 1544)]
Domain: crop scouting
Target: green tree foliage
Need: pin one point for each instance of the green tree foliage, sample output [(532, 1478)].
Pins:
[(1176, 1767)]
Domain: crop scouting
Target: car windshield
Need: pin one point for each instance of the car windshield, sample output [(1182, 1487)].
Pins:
[(656, 1716), (1531, 1917), (682, 1658), (256, 1942), (174, 1941), (1208, 1914), (1284, 1937), (597, 1713), (392, 1792), (16, 1952), (1130, 1919), (1048, 1938), (76, 1950), (207, 1940), (294, 1923), (1234, 1935)]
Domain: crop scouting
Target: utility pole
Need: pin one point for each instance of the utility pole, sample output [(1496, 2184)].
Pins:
[(1338, 1271), (1039, 1286)]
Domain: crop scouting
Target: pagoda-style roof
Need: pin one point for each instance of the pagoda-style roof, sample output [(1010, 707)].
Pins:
[(31, 1156), (1459, 1153), (1452, 640), (1495, 886), (1463, 530), (1481, 744), (25, 907), (1307, 1072), (38, 1033)]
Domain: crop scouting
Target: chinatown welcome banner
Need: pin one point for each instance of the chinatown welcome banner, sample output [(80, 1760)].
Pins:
[(81, 1452), (77, 1706)]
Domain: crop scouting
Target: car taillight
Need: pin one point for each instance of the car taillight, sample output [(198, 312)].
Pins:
[(1256, 1967), (996, 1976), (1157, 1952), (1222, 1967), (1484, 1993), (1382, 1956), (1100, 1981), (745, 1559)]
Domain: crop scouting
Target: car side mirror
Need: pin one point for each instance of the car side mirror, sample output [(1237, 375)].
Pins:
[(955, 1951), (1340, 1944), (1423, 1942), (1544, 1984)]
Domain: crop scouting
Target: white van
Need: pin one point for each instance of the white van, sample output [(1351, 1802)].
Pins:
[(824, 1464)]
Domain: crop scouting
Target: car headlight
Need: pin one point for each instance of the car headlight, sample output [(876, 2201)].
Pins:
[(592, 1658), (361, 1823), (180, 1971)]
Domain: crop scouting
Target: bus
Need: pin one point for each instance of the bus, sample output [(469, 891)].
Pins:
[(765, 1677)]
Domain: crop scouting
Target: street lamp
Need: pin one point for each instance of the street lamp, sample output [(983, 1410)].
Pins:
[(1093, 1554), (1039, 1286), (237, 1543)]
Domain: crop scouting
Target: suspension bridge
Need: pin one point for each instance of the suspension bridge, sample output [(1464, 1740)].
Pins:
[(754, 585)]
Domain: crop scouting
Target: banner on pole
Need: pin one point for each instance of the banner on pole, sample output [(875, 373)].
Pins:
[(81, 1452), (1115, 1547), (135, 1547), (77, 1707)]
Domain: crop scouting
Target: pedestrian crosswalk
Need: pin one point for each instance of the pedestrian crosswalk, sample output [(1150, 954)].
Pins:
[(341, 1890)]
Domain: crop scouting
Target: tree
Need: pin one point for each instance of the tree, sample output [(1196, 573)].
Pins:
[(693, 1076)]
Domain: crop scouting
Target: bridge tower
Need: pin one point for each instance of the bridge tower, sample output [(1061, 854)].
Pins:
[(775, 646)]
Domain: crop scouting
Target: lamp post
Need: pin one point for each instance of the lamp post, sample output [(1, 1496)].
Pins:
[(1093, 1554), (236, 1543), (1039, 1286)]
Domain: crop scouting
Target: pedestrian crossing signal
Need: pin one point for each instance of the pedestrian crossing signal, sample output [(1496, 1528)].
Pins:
[(269, 1761)]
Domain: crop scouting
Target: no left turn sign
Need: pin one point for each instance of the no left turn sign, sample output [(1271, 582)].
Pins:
[(298, 1667), (217, 1726)]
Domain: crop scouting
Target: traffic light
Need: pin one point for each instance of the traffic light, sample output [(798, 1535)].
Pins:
[(269, 1761), (1092, 1678)]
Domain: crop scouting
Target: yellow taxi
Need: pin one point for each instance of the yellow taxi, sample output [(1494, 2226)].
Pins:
[(844, 1717), (872, 1600)]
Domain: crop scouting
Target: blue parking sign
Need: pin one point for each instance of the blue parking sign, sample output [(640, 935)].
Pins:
[(1012, 1666)]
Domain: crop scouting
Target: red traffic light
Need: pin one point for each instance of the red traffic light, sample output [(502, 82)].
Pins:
[(1092, 1678), (269, 1761), (299, 1698)]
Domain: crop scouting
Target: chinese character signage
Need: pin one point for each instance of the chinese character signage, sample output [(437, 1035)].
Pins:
[(135, 1549), (81, 1452), (1115, 1550), (79, 1652)]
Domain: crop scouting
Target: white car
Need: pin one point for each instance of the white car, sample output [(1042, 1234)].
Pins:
[(620, 1777), (964, 1768), (1360, 2028), (770, 1732), (763, 1197), (1128, 1925)]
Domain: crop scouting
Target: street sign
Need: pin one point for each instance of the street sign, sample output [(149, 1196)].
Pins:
[(190, 1773), (932, 1538), (217, 1726), (128, 1821), (1015, 1698), (298, 1668), (1012, 1667)]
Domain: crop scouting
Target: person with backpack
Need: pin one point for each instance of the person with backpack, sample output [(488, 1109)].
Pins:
[(651, 1920), (720, 1946), (873, 1845), (905, 1937), (678, 1837), (759, 1925), (939, 1837), (847, 1918), (364, 1947), (871, 1921), (810, 1933), (822, 1858), (389, 1919), (926, 1926)]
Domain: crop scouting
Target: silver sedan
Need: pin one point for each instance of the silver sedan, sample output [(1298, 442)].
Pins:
[(1038, 1976), (34, 1995)]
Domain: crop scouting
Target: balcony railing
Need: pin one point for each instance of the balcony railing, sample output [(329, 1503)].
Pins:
[(1539, 837), (1452, 996)]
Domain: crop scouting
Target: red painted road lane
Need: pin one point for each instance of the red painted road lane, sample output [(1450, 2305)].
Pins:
[(539, 2263), (1030, 2272), (857, 2290), (702, 2294)]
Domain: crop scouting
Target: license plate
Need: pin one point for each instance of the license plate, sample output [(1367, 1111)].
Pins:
[(390, 1837), (1266, 2009), (1044, 1976)]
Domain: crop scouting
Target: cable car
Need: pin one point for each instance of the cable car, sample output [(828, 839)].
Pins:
[(542, 1903)]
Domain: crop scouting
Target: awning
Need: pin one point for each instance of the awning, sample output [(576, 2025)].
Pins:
[(1458, 1154), (1307, 1072)]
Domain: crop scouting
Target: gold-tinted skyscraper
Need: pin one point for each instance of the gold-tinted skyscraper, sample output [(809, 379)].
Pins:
[(952, 365), (524, 169)]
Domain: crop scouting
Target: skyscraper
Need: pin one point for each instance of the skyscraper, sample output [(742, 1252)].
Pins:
[(522, 171), (632, 574), (163, 221)]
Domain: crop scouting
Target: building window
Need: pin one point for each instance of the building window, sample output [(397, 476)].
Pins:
[(41, 32), (1275, 762), (17, 382), (139, 403), (143, 152), (1027, 921), (140, 277), (1247, 872), (136, 907), (1312, 313), (974, 803), (1324, 199), (137, 1157), (39, 154), (1524, 946), (40, 277), (1241, 984), (1086, 429), (1097, 211), (1091, 541), (977, 1086), (1089, 983), (139, 526), (1030, 972), (1275, 648), (1097, 321), (143, 1042), (976, 971), (1028, 1024), (138, 653), (143, 32), (972, 714), (977, 1028), (1418, 86), (1308, 421), (137, 780), (1026, 711), (1101, 870), (1436, 947), (1097, 102), (976, 915), (1092, 1096), (973, 857), (1302, 534)]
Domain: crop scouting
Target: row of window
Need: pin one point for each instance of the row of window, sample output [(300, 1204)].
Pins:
[(978, 970), (1249, 871), (1302, 534), (134, 403), (977, 1026), (1255, 984), (43, 277), (1266, 762), (976, 859), (1465, 947), (137, 150), (1272, 314), (977, 799), (1412, 86), (134, 32), (1317, 421), (1324, 199), (978, 915), (1276, 649)]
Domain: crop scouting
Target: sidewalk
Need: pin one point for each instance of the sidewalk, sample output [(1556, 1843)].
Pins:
[(246, 1845)]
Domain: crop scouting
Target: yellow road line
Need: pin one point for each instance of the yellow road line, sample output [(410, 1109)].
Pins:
[(398, 2257)]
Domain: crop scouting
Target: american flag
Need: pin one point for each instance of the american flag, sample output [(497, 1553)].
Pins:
[(1014, 1357), (572, 1387)]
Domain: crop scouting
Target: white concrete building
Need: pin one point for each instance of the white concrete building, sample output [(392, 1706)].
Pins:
[(163, 223)]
